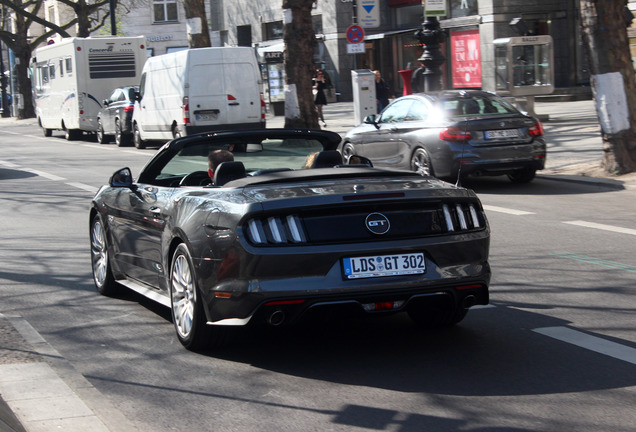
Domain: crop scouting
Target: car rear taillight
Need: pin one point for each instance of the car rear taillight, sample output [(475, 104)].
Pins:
[(536, 130), (454, 134), (186, 110), (128, 108), (263, 107)]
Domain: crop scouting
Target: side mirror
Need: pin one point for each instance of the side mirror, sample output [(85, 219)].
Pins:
[(105, 102), (370, 119), (137, 96), (122, 178), (360, 160)]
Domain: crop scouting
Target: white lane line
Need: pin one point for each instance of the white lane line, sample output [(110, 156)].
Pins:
[(44, 174), (83, 186), (592, 343), (507, 210), (603, 227), (9, 164), (101, 147)]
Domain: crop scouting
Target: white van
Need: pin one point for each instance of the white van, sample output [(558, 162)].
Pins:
[(198, 90)]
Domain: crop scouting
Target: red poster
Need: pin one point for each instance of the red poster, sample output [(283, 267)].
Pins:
[(466, 59)]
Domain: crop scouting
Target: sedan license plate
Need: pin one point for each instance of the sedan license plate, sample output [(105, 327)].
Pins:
[(502, 133), (383, 265)]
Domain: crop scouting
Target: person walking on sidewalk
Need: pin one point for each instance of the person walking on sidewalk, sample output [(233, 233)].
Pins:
[(382, 91), (319, 90)]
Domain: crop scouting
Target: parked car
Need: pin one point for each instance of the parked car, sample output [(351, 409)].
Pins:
[(115, 118), (273, 237), (450, 134)]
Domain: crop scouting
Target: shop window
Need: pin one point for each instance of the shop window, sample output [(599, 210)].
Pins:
[(165, 10), (316, 21)]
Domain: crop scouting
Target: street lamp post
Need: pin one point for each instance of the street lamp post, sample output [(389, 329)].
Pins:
[(431, 36)]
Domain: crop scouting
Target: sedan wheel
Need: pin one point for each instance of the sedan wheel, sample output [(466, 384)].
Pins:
[(525, 175), (101, 138), (102, 273), (188, 315), (420, 163), (139, 143), (121, 139), (347, 152)]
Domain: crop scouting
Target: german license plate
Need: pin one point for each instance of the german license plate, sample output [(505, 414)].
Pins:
[(383, 265), (502, 133), (206, 116)]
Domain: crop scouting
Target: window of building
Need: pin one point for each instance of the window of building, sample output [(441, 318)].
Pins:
[(165, 10), (52, 71), (316, 21), (244, 35), (68, 65), (61, 68), (273, 30)]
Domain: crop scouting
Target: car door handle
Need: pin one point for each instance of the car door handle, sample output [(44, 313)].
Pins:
[(155, 210), (394, 129), (233, 103)]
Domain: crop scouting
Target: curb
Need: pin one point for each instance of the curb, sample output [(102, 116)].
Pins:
[(47, 393)]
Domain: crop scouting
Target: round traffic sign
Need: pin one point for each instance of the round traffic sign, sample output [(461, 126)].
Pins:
[(355, 34)]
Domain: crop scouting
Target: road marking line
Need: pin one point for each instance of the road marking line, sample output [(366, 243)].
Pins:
[(83, 186), (592, 343), (507, 210), (598, 261), (602, 227), (101, 147), (44, 174), (9, 164)]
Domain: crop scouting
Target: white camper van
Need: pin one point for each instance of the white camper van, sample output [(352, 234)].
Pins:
[(198, 90), (71, 78)]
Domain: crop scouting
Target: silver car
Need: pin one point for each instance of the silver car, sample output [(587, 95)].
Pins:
[(451, 134)]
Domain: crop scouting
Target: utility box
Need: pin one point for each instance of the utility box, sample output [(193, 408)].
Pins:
[(364, 102), (524, 65)]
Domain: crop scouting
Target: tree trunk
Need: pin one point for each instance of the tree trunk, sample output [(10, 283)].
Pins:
[(200, 38), (300, 41), (604, 32), (22, 53)]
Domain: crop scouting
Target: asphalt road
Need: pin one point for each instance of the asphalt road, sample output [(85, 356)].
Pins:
[(556, 349)]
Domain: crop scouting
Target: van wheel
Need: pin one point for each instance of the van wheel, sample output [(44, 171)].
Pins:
[(176, 132), (47, 132), (139, 143), (71, 134)]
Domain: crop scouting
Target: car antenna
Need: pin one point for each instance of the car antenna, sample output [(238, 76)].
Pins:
[(458, 183)]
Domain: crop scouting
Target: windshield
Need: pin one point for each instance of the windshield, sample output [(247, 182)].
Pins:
[(257, 156), (478, 104)]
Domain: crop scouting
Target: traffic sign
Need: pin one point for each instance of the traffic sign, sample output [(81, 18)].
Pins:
[(355, 34)]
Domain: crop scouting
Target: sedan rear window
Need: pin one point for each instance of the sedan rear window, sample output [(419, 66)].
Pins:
[(477, 105)]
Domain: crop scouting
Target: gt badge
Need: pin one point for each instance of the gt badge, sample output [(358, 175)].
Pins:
[(377, 223)]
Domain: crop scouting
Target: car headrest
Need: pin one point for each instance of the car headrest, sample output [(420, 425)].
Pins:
[(228, 171), (328, 159)]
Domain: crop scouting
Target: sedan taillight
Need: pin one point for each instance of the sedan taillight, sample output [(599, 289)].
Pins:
[(454, 134), (536, 130), (128, 108)]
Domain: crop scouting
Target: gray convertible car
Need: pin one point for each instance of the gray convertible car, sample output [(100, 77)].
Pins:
[(285, 229)]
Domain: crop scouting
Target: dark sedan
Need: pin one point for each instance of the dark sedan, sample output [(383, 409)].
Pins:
[(115, 117), (451, 134), (284, 230)]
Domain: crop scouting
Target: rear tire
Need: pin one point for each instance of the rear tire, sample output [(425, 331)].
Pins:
[(47, 132), (102, 272), (121, 139), (420, 163), (186, 303), (524, 175), (437, 313), (71, 134), (101, 137), (139, 143)]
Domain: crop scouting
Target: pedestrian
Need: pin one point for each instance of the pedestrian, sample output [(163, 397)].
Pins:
[(417, 80), (382, 91), (319, 88)]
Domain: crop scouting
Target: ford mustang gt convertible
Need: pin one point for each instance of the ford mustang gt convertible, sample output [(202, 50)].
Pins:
[(283, 230)]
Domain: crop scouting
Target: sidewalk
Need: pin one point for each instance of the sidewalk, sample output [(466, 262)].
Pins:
[(40, 391)]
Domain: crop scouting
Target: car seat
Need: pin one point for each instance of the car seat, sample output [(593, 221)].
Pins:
[(228, 171)]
